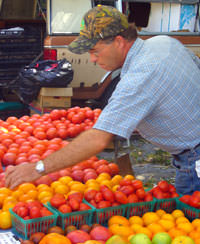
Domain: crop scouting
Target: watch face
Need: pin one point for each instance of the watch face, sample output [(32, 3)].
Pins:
[(40, 166)]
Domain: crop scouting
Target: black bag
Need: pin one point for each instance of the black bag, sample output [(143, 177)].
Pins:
[(47, 73)]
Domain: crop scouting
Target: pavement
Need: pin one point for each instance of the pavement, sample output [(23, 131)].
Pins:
[(149, 163)]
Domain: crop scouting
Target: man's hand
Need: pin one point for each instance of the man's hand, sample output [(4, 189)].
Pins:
[(16, 175)]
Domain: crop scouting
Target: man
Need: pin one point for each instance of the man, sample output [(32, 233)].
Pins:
[(158, 94)]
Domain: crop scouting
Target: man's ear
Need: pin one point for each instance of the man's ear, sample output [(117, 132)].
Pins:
[(120, 42)]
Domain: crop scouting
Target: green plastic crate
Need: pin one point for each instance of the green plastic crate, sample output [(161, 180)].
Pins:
[(25, 228), (76, 218), (139, 208), (102, 215), (167, 204), (190, 212)]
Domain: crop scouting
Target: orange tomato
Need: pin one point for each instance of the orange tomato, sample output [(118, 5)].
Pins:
[(54, 238), (118, 219)]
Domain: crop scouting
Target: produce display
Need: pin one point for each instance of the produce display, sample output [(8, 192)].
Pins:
[(89, 203)]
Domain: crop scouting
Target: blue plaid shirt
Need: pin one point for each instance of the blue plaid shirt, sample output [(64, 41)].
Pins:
[(158, 94)]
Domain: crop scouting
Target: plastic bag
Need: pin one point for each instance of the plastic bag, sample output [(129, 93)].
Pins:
[(48, 73)]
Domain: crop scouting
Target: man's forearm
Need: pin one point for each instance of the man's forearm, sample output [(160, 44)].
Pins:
[(88, 144)]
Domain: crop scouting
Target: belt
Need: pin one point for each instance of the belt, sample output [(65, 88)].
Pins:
[(185, 151)]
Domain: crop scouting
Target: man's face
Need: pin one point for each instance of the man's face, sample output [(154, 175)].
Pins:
[(106, 55)]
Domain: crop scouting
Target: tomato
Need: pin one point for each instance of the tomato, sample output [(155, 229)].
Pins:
[(137, 184), (129, 189), (98, 197), (41, 135), (65, 208), (103, 169), (62, 133), (11, 119), (72, 131), (74, 204), (108, 195), (132, 198), (70, 115), (45, 212), (22, 211), (172, 188), (20, 160), (35, 212), (163, 185), (89, 114), (57, 200), (90, 194), (76, 119), (104, 204), (84, 206), (194, 202), (121, 197), (148, 197), (185, 199), (55, 114), (196, 194), (140, 193), (34, 204), (18, 205), (114, 169), (9, 158)]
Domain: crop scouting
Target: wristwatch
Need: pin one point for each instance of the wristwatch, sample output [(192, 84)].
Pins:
[(40, 167)]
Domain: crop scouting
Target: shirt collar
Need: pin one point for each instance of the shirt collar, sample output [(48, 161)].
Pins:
[(134, 50)]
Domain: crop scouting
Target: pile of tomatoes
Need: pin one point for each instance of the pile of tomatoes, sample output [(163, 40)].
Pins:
[(32, 138)]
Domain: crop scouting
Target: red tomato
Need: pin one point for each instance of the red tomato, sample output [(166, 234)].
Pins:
[(84, 206), (74, 204), (62, 133), (104, 204), (148, 197), (55, 114), (172, 188), (194, 202), (140, 193), (98, 197), (22, 211), (137, 184), (9, 158), (45, 212), (129, 189), (89, 114), (90, 194), (103, 169), (114, 169), (65, 208), (164, 186), (57, 200), (35, 212), (120, 197), (196, 194), (132, 198), (72, 131), (108, 195)]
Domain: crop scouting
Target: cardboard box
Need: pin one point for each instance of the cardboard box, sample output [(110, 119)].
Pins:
[(55, 97)]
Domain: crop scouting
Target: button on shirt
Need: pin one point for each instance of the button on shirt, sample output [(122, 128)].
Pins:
[(158, 94)]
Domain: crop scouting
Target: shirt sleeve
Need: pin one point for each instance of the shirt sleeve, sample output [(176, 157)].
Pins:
[(135, 96), (194, 57)]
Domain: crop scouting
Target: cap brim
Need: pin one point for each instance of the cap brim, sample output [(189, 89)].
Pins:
[(82, 45)]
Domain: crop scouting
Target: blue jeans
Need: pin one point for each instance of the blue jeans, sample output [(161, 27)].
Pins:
[(187, 180)]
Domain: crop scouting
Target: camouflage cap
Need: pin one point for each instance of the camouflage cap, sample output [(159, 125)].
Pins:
[(98, 23)]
